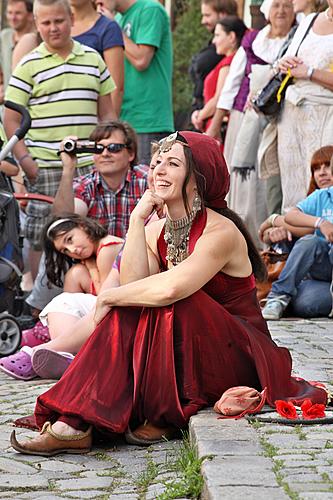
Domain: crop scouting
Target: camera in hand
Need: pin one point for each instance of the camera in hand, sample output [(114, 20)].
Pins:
[(73, 147)]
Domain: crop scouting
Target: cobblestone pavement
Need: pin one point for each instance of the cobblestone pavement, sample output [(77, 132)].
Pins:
[(260, 461), (114, 471), (274, 461)]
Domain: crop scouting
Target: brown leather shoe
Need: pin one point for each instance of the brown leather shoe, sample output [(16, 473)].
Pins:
[(148, 434), (48, 443)]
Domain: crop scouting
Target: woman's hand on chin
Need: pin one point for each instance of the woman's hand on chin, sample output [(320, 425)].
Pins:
[(101, 308), (149, 202)]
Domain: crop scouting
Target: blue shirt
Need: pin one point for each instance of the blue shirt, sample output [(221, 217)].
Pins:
[(319, 204), (104, 35)]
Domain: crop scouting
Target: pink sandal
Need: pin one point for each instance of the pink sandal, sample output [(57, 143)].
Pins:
[(50, 364), (37, 335), (19, 365)]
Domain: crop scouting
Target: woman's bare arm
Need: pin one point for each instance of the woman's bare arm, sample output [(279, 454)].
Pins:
[(296, 217), (138, 259), (209, 109), (105, 260), (299, 70), (214, 250)]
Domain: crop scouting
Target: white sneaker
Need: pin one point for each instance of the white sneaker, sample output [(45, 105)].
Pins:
[(275, 307)]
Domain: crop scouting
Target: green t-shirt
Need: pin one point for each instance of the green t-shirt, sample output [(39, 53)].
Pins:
[(147, 103)]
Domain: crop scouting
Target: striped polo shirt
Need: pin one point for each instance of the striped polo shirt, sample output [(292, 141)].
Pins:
[(61, 96)]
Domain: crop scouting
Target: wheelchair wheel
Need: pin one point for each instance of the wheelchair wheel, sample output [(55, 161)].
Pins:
[(10, 335)]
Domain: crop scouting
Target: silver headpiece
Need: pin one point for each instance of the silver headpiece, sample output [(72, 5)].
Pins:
[(167, 142)]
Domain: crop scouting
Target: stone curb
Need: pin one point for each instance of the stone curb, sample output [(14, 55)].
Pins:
[(274, 461)]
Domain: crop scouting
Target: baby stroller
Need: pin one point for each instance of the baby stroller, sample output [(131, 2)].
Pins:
[(11, 262)]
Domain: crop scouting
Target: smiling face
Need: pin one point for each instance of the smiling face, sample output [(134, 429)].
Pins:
[(169, 176), (54, 23), (224, 42), (322, 176), (75, 244), (17, 15), (281, 16), (117, 163), (209, 17)]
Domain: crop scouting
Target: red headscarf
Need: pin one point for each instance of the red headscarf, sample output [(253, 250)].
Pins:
[(211, 164)]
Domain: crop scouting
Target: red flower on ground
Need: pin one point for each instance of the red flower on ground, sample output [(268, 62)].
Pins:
[(310, 410), (286, 409)]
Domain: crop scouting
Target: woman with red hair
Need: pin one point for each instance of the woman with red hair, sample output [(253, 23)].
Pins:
[(321, 178), (305, 281), (184, 325)]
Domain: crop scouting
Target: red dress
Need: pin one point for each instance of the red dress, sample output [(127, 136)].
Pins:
[(166, 363), (210, 82)]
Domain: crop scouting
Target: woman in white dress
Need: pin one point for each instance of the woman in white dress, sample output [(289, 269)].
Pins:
[(306, 121)]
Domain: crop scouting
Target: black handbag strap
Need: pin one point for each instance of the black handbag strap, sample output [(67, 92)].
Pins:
[(307, 32)]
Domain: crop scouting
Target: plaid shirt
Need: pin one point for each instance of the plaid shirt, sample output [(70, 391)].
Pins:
[(112, 208)]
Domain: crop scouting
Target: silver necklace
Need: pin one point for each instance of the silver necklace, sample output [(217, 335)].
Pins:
[(328, 17), (177, 234)]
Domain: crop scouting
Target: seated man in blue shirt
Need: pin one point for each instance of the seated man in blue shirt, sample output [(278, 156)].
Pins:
[(306, 278)]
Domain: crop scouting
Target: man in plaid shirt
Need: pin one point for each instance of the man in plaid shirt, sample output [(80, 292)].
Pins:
[(112, 190), (108, 194)]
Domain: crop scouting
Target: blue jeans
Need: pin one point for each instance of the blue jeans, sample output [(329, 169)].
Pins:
[(308, 258), (313, 299), (41, 294)]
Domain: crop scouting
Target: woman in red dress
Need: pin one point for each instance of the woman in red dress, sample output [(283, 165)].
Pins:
[(184, 325), (228, 35)]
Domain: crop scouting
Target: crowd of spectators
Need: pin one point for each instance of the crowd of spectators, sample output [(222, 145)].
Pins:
[(269, 157), (103, 72), (136, 294)]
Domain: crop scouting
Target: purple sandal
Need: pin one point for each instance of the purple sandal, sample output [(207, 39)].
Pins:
[(19, 365)]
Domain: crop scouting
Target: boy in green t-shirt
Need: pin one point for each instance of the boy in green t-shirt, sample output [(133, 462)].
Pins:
[(147, 102)]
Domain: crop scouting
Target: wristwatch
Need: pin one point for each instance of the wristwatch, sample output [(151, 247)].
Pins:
[(309, 72)]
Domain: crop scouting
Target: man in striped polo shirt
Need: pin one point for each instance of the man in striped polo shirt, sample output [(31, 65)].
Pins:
[(67, 88)]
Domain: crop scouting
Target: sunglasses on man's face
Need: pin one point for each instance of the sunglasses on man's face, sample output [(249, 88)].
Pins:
[(114, 147)]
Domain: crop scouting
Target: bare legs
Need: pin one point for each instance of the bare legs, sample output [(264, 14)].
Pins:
[(68, 332)]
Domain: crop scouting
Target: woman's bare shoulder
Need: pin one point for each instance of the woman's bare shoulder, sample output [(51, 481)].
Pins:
[(218, 222)]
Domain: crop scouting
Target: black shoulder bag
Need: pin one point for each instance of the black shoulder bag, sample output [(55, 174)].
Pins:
[(269, 99)]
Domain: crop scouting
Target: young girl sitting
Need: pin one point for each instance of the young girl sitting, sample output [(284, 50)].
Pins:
[(83, 248)]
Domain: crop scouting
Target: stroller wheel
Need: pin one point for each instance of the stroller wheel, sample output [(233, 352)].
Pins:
[(10, 335)]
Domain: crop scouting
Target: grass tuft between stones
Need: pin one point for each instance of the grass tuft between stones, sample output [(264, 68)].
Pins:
[(187, 465), (269, 449), (300, 432), (146, 478)]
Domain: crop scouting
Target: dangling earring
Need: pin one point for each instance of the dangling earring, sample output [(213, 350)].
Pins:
[(196, 203)]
